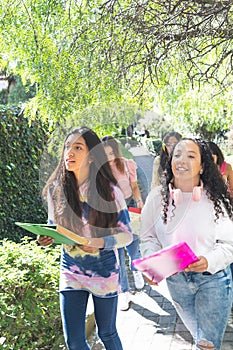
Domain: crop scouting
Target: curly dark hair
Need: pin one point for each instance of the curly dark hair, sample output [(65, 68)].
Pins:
[(213, 183), (64, 190), (216, 151)]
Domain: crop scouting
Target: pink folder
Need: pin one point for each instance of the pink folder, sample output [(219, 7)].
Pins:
[(166, 262)]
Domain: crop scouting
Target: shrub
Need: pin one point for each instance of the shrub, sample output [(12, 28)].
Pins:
[(21, 147), (153, 145), (30, 314)]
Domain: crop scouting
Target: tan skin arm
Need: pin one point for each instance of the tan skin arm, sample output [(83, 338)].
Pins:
[(93, 246), (137, 194), (229, 174), (199, 266)]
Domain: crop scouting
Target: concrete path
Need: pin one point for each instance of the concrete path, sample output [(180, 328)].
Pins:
[(144, 162), (151, 323)]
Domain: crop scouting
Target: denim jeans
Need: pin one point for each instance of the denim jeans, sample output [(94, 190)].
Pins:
[(133, 252), (203, 301), (73, 306)]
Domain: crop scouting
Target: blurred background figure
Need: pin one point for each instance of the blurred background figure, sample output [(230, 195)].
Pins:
[(125, 172), (169, 141), (224, 167)]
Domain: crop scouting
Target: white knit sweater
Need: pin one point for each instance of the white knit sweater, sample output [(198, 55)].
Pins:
[(192, 222)]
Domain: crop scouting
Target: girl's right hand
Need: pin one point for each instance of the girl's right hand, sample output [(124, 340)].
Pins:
[(45, 240)]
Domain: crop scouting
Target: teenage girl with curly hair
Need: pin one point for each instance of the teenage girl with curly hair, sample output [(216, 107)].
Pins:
[(193, 205)]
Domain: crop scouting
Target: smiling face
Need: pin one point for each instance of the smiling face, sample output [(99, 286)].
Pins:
[(76, 156), (186, 165)]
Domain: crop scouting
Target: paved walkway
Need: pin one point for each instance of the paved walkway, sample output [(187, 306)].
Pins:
[(144, 171), (151, 323)]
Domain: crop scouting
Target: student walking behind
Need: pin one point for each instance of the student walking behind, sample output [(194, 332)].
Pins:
[(125, 173), (224, 167), (193, 205), (83, 197), (159, 164)]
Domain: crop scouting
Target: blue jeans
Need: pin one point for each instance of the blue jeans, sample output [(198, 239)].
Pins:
[(73, 306), (133, 252), (203, 301)]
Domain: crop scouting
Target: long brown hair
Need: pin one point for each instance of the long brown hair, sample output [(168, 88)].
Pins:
[(119, 161), (64, 190)]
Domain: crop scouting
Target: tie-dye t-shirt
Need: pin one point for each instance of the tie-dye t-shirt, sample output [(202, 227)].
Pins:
[(97, 273)]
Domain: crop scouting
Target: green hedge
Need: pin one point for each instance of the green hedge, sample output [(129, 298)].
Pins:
[(21, 147), (29, 312)]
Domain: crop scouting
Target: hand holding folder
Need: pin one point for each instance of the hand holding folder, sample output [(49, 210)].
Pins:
[(166, 262), (60, 234)]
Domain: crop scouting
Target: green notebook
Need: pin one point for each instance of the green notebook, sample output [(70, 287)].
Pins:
[(66, 237)]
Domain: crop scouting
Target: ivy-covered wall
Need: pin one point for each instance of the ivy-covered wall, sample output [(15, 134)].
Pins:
[(21, 147)]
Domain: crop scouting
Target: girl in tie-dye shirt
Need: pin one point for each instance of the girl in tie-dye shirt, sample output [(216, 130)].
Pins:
[(83, 197)]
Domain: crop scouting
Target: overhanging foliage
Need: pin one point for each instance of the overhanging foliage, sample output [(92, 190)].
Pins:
[(82, 53)]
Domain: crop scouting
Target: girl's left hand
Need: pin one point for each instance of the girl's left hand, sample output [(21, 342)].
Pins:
[(199, 266), (139, 203)]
